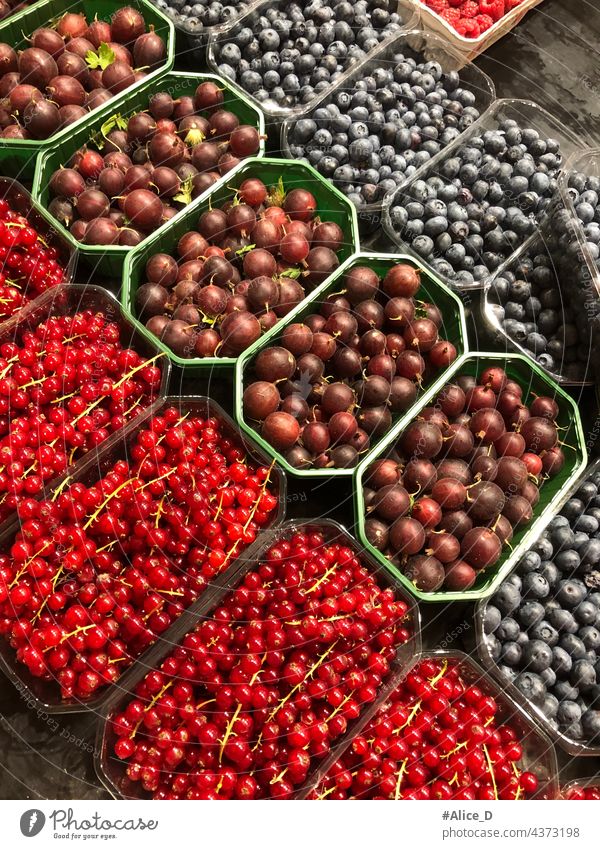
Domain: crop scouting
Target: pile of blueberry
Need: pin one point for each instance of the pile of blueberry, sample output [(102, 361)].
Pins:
[(379, 131), (197, 15), (538, 309), (480, 203), (543, 625), (293, 51)]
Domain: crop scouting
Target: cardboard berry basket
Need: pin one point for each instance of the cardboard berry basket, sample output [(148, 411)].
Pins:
[(46, 694), (111, 770), (571, 287), (18, 156), (20, 201), (423, 47), (330, 204), (453, 330), (533, 381), (471, 48), (109, 259), (528, 115), (575, 748), (273, 111), (539, 756)]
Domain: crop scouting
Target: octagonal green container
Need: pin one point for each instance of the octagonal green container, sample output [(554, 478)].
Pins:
[(454, 330), (330, 204), (109, 259), (533, 381), (18, 157)]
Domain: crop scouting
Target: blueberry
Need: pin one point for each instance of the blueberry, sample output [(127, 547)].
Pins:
[(537, 656), (583, 675), (568, 712), (530, 562), (531, 686), (561, 661), (545, 632), (530, 614), (563, 621), (590, 637), (535, 586), (571, 592), (590, 724), (508, 629), (492, 618), (507, 598), (550, 706), (573, 645)]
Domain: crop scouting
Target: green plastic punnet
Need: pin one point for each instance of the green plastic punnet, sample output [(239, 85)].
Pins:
[(533, 381), (109, 259), (18, 156), (330, 203), (453, 329)]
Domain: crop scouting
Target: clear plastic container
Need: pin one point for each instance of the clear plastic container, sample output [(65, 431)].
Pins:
[(421, 47), (539, 756), (533, 381), (332, 205), (453, 329), (192, 42), (591, 783), (95, 465), (471, 48), (109, 768), (545, 242), (576, 748), (273, 112), (20, 201), (527, 114)]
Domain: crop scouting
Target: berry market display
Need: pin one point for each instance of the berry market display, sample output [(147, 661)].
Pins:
[(70, 376), (388, 119), (99, 570), (472, 18), (71, 66), (335, 378), (286, 53), (449, 494), (235, 265), (137, 173), (444, 733), (474, 208), (308, 636), (542, 626)]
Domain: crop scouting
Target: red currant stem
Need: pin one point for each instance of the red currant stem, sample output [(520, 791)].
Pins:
[(169, 592), (454, 779), (219, 508), (413, 713), (8, 365), (116, 385), (262, 490), (156, 480), (258, 671), (108, 498), (340, 706), (45, 601), (296, 687), (323, 577), (325, 794), (133, 406), (24, 568), (229, 731), (490, 770), (517, 776), (159, 511), (81, 629), (150, 705), (60, 487), (108, 546), (433, 681), (401, 772), (117, 659), (279, 777)]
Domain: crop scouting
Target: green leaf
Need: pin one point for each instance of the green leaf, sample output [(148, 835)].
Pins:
[(102, 59), (185, 195), (294, 273), (277, 195), (194, 137), (115, 122), (245, 250)]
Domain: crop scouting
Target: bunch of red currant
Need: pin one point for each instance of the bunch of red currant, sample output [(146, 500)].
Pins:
[(436, 737), (28, 265), (65, 386), (98, 571), (255, 696)]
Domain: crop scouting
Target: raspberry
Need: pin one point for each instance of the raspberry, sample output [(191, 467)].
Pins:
[(437, 6), (484, 21), (451, 16), (493, 8), (469, 9), (468, 28), (456, 2)]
